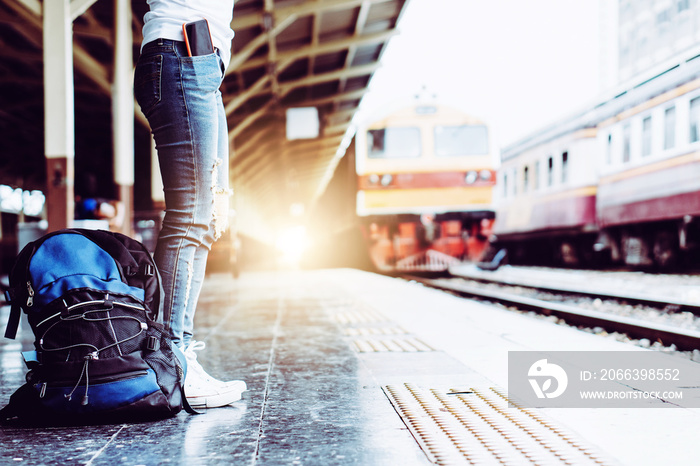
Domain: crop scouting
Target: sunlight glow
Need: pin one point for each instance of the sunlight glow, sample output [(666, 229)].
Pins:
[(292, 242)]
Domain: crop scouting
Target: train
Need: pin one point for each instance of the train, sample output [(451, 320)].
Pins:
[(615, 184), (425, 177)]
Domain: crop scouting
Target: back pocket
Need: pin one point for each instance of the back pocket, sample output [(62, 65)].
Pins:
[(147, 82)]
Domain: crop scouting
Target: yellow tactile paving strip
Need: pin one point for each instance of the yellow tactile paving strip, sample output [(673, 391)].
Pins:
[(479, 426), (370, 332)]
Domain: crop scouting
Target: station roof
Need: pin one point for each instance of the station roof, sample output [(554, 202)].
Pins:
[(286, 54)]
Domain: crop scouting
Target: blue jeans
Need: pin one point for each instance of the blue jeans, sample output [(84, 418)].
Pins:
[(181, 99)]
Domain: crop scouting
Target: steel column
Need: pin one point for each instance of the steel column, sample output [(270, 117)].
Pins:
[(59, 114), (123, 111)]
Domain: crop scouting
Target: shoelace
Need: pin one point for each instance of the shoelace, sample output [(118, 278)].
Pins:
[(194, 346), (192, 362)]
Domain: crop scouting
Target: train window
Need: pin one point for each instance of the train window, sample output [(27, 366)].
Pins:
[(695, 120), (461, 140), (526, 178), (626, 136), (663, 17), (609, 150), (391, 143), (564, 166), (646, 136), (550, 171), (536, 176), (505, 184), (670, 128)]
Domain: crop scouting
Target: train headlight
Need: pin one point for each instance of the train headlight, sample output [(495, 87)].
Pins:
[(387, 179), (485, 175), (374, 179), (471, 177)]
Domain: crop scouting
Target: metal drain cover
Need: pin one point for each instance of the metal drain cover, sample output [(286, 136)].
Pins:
[(476, 426)]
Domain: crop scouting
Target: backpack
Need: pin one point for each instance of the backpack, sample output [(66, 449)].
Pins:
[(103, 353)]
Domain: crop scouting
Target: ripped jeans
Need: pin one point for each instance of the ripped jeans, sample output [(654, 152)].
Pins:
[(181, 99)]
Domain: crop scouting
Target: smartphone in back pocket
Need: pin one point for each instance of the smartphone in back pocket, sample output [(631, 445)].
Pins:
[(198, 38)]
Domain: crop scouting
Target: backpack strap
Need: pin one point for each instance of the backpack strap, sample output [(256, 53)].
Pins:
[(13, 322), (13, 297), (20, 289), (186, 404), (22, 406), (180, 357), (144, 270)]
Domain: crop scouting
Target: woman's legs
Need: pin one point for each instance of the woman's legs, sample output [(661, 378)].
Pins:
[(181, 99)]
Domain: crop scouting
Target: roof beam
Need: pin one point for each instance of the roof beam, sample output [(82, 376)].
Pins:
[(94, 28), (239, 152), (255, 89), (354, 95), (310, 50), (248, 121), (271, 47), (344, 115), (284, 89), (339, 128), (306, 8), (359, 26), (329, 76), (315, 28), (250, 48), (78, 7), (316, 145), (83, 61), (264, 147), (32, 5)]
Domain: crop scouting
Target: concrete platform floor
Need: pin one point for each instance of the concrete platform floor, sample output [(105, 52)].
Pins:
[(316, 396)]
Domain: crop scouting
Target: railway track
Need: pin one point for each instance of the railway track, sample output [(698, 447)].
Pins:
[(682, 339)]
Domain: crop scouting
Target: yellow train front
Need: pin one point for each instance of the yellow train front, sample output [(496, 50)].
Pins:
[(425, 181)]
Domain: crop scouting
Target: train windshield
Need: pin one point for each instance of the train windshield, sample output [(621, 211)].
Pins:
[(461, 140), (391, 143)]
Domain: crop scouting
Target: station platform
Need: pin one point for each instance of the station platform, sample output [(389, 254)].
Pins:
[(348, 367)]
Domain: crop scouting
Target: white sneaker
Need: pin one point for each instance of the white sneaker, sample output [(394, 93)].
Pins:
[(203, 390)]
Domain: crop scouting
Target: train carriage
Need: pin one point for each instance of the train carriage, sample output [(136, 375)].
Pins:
[(547, 195), (425, 179), (626, 180), (648, 199)]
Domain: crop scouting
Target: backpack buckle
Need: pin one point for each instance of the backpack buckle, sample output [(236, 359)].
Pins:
[(152, 343), (147, 270)]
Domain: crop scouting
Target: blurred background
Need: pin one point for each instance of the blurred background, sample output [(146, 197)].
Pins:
[(379, 134)]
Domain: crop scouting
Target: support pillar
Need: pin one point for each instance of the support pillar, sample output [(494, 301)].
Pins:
[(123, 112), (59, 114)]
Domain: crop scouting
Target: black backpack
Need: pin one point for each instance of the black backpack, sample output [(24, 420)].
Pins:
[(102, 351)]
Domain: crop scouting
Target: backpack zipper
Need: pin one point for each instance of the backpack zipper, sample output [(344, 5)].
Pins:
[(30, 294), (30, 290), (100, 301), (100, 380)]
